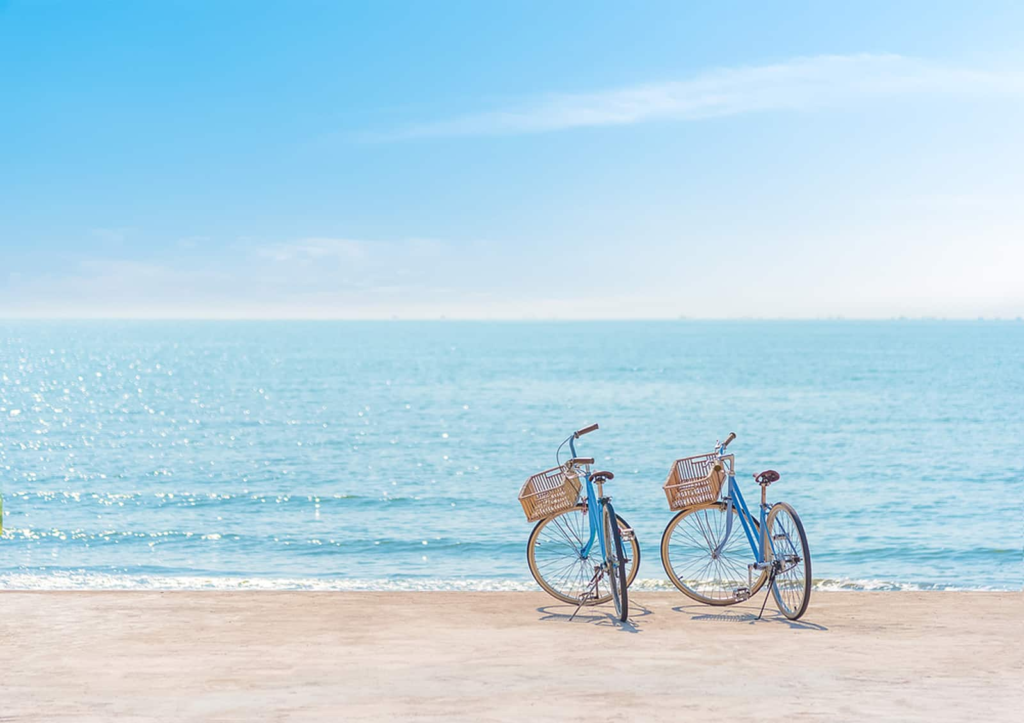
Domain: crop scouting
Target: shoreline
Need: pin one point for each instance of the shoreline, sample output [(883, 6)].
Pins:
[(497, 656), (272, 586), (67, 581)]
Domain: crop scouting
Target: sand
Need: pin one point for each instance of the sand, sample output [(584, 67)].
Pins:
[(265, 656)]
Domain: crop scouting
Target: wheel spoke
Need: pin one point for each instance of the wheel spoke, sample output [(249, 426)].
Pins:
[(556, 559), (694, 562)]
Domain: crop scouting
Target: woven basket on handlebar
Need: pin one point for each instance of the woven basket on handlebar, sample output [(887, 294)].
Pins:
[(549, 493), (696, 480)]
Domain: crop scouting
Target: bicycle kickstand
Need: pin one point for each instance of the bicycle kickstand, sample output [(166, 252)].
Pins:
[(771, 580), (590, 592)]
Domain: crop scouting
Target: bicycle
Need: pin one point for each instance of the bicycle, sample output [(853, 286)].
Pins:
[(575, 553), (705, 560)]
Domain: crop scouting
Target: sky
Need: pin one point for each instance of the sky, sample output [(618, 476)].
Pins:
[(511, 160)]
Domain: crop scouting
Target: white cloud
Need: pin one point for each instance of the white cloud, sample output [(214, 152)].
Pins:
[(798, 84), (313, 249), (111, 235), (318, 249), (941, 263), (307, 277)]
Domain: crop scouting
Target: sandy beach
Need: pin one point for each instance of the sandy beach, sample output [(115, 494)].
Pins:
[(506, 656)]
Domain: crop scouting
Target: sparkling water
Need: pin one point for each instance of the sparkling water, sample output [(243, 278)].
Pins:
[(389, 455)]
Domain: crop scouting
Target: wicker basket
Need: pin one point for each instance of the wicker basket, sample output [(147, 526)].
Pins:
[(696, 480), (549, 493)]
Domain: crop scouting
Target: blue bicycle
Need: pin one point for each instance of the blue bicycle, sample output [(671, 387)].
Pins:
[(580, 552), (708, 560)]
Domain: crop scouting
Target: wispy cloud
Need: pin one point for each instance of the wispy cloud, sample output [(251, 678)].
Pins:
[(314, 249), (306, 277), (111, 235), (317, 249), (798, 84)]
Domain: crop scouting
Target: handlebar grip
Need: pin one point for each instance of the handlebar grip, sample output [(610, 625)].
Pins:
[(581, 460), (730, 438), (586, 430)]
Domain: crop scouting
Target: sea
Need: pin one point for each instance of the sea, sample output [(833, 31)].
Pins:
[(327, 455)]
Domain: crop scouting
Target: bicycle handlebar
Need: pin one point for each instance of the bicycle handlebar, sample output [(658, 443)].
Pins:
[(571, 439), (730, 438), (581, 460)]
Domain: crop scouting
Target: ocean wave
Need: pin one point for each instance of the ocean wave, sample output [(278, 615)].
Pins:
[(106, 581), (84, 580)]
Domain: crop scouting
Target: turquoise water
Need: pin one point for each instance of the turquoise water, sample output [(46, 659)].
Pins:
[(389, 455)]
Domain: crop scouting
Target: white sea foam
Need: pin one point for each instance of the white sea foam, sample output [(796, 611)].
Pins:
[(104, 581)]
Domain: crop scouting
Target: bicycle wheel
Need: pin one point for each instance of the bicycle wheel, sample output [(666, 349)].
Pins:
[(688, 554), (616, 571), (792, 587), (554, 554)]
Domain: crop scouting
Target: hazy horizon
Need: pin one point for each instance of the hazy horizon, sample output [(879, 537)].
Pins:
[(552, 319)]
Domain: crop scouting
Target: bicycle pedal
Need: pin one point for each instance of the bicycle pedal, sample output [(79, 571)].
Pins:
[(742, 593)]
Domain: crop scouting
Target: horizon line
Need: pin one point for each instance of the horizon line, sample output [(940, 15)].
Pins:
[(440, 319)]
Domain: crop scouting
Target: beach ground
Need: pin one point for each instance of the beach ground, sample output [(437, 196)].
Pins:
[(436, 656)]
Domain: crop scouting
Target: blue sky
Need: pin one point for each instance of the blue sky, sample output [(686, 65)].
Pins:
[(511, 159)]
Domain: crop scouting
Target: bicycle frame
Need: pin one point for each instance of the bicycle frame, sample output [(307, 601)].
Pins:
[(594, 507), (758, 545)]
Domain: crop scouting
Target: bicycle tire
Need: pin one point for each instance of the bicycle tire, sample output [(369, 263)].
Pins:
[(616, 564), (794, 594)]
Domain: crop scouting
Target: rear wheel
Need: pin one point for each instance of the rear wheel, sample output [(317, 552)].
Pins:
[(616, 567), (689, 552), (792, 586), (554, 554)]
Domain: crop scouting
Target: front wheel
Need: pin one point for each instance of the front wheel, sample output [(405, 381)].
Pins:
[(792, 586), (700, 565), (616, 565), (555, 556)]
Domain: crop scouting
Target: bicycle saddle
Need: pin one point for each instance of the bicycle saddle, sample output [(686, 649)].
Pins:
[(767, 477), (602, 475)]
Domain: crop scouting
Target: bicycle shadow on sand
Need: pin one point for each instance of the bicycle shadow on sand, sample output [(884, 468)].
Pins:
[(594, 616), (743, 614)]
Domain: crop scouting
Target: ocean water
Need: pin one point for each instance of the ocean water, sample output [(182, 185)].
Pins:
[(323, 455)]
